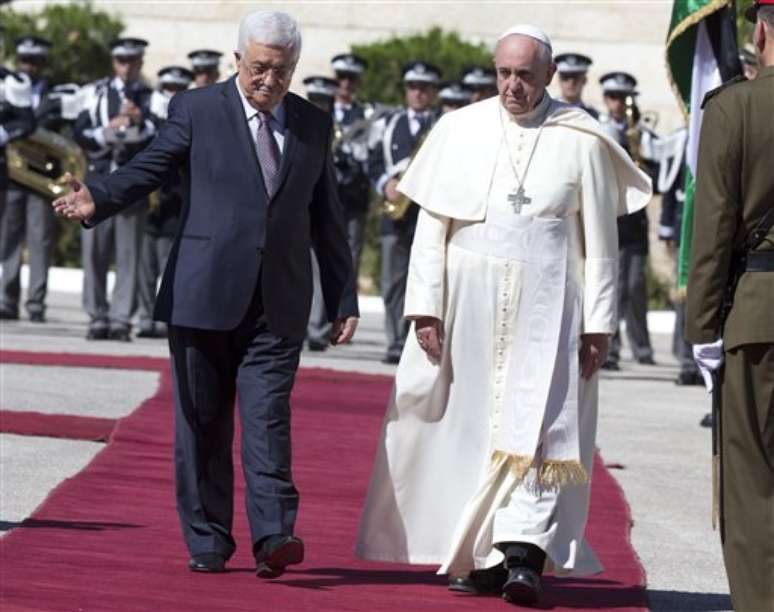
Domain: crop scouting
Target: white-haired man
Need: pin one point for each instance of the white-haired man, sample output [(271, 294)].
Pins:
[(259, 193), (487, 447)]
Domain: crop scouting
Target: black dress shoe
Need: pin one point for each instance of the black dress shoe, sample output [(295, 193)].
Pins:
[(708, 420), (120, 335), (7, 315), (275, 553), (488, 581), (611, 365), (37, 317), (391, 359), (99, 333), (647, 360), (212, 563), (523, 586), (316, 346)]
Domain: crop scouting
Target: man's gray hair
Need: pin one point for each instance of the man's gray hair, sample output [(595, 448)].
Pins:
[(270, 28), (766, 14)]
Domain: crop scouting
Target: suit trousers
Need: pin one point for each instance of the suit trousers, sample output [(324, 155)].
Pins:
[(632, 304), (318, 330), (153, 260), (210, 369), (123, 231), (747, 438), (396, 250), (28, 218)]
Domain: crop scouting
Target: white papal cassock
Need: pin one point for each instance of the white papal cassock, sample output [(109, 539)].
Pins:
[(494, 443)]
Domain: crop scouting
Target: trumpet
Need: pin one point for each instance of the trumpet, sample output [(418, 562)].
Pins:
[(41, 161)]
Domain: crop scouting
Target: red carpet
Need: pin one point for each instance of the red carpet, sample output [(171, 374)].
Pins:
[(108, 538), (56, 425)]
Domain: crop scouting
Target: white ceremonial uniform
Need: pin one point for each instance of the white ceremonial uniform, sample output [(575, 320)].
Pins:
[(515, 282)]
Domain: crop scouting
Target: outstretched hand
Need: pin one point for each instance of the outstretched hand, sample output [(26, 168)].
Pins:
[(593, 352), (78, 204)]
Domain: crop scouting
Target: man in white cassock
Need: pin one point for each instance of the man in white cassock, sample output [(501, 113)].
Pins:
[(487, 447)]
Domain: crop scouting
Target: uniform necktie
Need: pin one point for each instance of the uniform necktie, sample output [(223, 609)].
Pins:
[(268, 152), (424, 122)]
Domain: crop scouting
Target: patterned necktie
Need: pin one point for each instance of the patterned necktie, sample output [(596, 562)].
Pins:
[(268, 152)]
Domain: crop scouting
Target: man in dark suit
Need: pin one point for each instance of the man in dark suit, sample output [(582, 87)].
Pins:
[(259, 189)]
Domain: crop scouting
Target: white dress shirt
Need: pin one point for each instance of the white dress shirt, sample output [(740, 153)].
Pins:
[(413, 119), (276, 123)]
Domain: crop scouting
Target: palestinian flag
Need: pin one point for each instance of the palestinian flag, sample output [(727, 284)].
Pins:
[(702, 54)]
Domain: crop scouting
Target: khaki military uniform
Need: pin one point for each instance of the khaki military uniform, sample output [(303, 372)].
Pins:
[(735, 189)]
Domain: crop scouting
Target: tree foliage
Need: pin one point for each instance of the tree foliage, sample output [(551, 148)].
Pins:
[(447, 50), (743, 27), (80, 35)]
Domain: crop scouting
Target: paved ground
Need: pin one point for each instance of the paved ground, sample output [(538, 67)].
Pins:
[(648, 426)]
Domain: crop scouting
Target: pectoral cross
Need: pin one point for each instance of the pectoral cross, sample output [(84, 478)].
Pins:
[(519, 199)]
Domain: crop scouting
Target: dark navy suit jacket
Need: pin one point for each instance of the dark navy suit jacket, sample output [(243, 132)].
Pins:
[(231, 233)]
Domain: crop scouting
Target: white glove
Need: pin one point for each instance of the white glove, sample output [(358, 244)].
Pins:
[(709, 358)]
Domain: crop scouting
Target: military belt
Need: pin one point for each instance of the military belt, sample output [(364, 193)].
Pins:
[(761, 261)]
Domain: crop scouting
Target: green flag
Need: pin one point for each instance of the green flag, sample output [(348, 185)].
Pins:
[(701, 54)]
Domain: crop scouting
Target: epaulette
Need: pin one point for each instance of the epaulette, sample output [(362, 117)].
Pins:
[(713, 92)]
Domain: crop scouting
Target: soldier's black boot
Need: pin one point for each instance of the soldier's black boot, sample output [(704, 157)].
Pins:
[(524, 563)]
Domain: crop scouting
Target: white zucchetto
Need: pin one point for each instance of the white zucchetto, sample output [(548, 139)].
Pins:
[(528, 30)]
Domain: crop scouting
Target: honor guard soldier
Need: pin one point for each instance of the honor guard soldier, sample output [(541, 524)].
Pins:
[(28, 215), (350, 155), (481, 81), (454, 95), (729, 313), (113, 126), (163, 213), (403, 133), (205, 64), (573, 75), (17, 119), (622, 122), (320, 91)]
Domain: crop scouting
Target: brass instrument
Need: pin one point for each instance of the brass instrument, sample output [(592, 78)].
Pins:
[(633, 133), (41, 161), (397, 210)]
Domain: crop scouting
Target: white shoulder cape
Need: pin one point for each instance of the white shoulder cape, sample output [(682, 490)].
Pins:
[(452, 172)]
